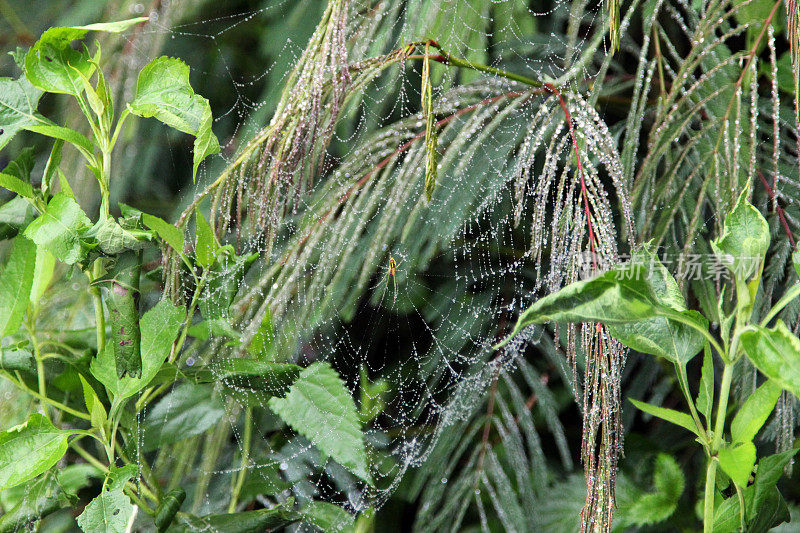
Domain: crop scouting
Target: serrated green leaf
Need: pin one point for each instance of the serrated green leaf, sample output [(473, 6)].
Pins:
[(58, 229), (670, 415), (109, 512), (163, 92), (16, 280), (754, 412), (187, 411), (166, 231), (705, 396), (51, 63), (29, 449), (18, 102), (775, 353), (744, 240), (319, 407), (737, 460), (206, 248), (159, 328)]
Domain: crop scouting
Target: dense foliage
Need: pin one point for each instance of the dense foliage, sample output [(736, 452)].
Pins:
[(399, 265)]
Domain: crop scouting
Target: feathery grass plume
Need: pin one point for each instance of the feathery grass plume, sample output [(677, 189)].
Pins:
[(426, 98), (569, 197), (279, 163)]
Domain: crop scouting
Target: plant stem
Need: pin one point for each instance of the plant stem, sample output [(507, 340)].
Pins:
[(708, 506), (245, 462), (31, 327), (463, 63), (99, 313), (722, 407), (58, 405), (683, 382)]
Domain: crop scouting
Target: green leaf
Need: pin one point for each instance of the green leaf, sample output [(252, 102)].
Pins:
[(663, 337), (744, 240), (159, 328), (796, 262), (205, 142), (42, 274), (29, 449), (187, 411), (775, 353), (737, 460), (164, 93), (94, 406), (71, 136), (243, 522), (207, 247), (635, 300), (16, 176), (319, 407), (16, 185), (659, 505), (168, 233), (18, 102), (16, 280), (58, 229), (40, 498), (52, 64), (754, 412), (705, 396), (111, 510), (22, 165), (769, 471), (15, 216), (113, 238), (327, 516), (670, 415), (16, 359), (263, 341)]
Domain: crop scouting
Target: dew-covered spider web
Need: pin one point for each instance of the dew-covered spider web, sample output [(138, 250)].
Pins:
[(402, 296)]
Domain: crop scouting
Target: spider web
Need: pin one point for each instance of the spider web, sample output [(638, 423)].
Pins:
[(463, 260), (467, 262)]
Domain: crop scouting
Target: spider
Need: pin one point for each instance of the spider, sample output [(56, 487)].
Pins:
[(390, 274)]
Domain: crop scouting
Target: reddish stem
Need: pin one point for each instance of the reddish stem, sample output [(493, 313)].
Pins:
[(584, 191)]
